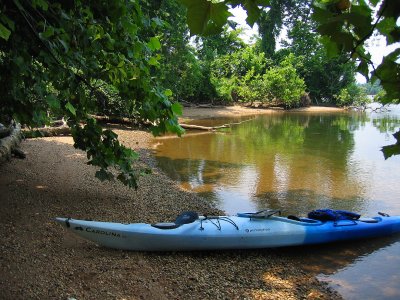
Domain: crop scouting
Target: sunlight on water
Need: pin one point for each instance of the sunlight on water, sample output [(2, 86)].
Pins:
[(298, 162)]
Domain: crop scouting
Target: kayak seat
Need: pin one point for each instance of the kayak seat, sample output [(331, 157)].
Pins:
[(291, 217), (165, 225), (186, 217)]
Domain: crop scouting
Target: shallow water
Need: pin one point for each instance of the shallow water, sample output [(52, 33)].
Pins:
[(298, 162)]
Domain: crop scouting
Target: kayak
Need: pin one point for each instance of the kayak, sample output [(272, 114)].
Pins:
[(264, 229)]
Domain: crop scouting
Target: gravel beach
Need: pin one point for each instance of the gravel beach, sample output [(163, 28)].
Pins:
[(41, 260)]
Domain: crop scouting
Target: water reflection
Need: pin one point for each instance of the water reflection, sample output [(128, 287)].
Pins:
[(280, 160), (298, 162)]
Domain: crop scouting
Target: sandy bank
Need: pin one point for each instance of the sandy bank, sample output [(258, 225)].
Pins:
[(231, 111)]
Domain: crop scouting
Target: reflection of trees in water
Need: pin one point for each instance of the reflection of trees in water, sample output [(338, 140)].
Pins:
[(386, 124), (299, 160), (301, 201), (314, 159)]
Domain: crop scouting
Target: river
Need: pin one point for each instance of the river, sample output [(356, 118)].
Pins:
[(297, 162)]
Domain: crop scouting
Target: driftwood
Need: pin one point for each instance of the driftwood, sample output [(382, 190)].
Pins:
[(187, 134), (10, 143), (46, 131), (199, 127), (113, 120)]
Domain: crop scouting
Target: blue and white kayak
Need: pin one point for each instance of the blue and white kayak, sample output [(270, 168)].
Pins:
[(243, 231)]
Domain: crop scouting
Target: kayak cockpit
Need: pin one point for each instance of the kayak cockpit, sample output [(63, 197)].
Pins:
[(186, 217)]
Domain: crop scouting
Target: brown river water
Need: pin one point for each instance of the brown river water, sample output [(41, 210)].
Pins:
[(297, 162)]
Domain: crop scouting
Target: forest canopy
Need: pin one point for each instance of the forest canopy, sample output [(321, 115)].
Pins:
[(139, 59)]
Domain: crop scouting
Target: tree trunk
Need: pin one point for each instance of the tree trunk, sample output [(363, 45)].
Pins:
[(10, 143)]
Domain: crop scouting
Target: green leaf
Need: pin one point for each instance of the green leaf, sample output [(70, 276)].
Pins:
[(154, 44), (52, 101), (177, 109), (330, 47), (41, 3), (219, 14), (64, 44), (205, 17), (4, 32), (168, 93), (130, 27), (253, 12), (153, 61), (386, 26), (5, 20), (198, 15), (363, 68), (48, 33), (70, 108), (104, 175)]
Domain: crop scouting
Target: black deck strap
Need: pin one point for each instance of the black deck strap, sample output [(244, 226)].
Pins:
[(67, 222), (230, 221), (383, 214), (217, 223)]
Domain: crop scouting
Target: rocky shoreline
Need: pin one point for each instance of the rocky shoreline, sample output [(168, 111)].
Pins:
[(40, 260)]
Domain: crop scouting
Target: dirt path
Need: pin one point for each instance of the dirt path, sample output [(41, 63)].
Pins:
[(40, 260)]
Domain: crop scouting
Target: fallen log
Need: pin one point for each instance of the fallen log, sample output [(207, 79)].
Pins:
[(113, 120), (10, 143), (199, 127), (46, 131)]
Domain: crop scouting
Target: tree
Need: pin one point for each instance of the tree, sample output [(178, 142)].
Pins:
[(211, 48), (179, 70), (238, 75), (324, 76), (55, 57)]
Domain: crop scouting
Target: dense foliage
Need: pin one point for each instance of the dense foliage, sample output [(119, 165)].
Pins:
[(56, 59), (248, 77)]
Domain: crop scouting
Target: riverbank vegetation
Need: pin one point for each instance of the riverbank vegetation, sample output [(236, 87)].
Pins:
[(139, 59), (222, 68)]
